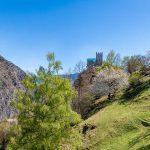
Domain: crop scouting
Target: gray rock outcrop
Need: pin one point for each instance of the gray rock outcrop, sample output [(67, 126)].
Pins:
[(10, 79)]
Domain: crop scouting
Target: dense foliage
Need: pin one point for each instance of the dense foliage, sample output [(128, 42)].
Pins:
[(45, 117), (7, 130)]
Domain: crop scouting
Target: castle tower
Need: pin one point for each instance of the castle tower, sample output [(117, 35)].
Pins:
[(99, 59)]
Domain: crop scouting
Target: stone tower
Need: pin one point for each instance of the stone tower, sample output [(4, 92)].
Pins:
[(99, 59)]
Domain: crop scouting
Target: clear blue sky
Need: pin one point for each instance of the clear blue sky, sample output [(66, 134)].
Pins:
[(73, 29)]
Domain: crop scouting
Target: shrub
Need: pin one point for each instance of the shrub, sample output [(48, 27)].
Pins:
[(135, 85), (134, 79)]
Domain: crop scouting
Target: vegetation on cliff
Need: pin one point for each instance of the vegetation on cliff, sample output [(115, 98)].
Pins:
[(122, 124), (45, 120), (113, 99)]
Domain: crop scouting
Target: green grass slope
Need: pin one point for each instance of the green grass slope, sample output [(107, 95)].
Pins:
[(121, 125)]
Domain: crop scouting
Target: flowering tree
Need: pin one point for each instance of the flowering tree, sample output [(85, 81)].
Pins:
[(108, 81)]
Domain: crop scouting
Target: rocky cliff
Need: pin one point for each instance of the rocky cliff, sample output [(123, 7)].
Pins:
[(10, 79), (97, 82), (83, 84)]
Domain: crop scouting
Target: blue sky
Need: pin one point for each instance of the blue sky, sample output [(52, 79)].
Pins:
[(73, 29)]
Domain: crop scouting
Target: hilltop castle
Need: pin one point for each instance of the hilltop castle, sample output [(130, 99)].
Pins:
[(98, 61)]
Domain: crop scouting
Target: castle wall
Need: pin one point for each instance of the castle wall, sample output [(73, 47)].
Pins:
[(98, 61)]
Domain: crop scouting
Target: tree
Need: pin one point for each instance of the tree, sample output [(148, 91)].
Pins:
[(68, 74), (145, 70), (79, 67), (113, 58), (7, 130), (134, 63), (53, 65), (148, 59), (108, 81), (45, 116), (118, 60), (125, 61)]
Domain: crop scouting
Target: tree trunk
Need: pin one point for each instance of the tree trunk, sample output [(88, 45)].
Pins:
[(79, 100), (4, 144)]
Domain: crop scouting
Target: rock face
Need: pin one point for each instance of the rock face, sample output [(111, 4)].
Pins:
[(10, 79), (83, 85), (94, 83)]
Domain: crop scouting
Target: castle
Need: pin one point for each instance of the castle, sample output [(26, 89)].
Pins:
[(98, 61)]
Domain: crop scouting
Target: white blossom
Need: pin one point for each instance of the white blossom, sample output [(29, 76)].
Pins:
[(108, 81)]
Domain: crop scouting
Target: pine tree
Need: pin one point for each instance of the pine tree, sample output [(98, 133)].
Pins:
[(46, 120)]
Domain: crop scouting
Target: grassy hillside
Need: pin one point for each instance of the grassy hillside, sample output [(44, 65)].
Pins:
[(121, 125)]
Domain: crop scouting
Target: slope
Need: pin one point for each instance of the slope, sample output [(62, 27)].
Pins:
[(121, 125)]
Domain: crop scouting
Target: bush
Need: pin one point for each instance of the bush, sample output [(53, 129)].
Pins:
[(134, 79), (85, 104), (135, 85)]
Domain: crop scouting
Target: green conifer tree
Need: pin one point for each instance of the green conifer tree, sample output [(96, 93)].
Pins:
[(46, 120)]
